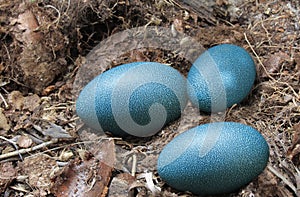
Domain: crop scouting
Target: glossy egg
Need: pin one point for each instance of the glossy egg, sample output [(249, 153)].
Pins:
[(133, 99), (214, 158), (220, 77)]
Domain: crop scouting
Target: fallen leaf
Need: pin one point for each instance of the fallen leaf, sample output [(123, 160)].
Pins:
[(3, 121), (56, 131), (66, 155), (24, 141), (28, 23), (274, 62), (16, 99), (48, 90), (120, 185), (88, 178), (31, 102), (139, 56)]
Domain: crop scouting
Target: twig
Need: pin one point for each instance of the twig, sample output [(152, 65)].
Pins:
[(258, 58), (279, 175), (27, 150), (297, 177), (134, 162), (149, 182), (73, 144), (55, 108), (291, 88), (7, 52), (4, 101), (14, 144), (69, 3), (58, 12)]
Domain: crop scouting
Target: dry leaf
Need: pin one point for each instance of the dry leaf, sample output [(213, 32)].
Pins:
[(31, 102), (88, 178), (24, 141), (120, 185), (16, 99), (66, 155), (3, 121), (48, 90), (274, 62), (139, 56), (28, 23), (56, 131)]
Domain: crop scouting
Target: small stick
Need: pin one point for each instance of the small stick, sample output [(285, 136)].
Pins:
[(258, 58), (297, 181), (279, 175), (58, 12), (263, 66), (13, 143), (27, 150), (4, 101), (134, 162)]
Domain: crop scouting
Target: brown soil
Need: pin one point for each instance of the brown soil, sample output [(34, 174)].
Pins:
[(44, 62)]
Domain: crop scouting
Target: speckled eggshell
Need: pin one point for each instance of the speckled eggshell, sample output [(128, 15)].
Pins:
[(133, 99), (214, 158), (220, 77)]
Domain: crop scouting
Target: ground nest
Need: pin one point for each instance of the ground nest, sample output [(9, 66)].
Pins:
[(45, 50)]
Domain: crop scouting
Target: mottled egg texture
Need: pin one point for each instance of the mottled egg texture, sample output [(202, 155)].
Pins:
[(136, 98), (214, 158), (220, 77)]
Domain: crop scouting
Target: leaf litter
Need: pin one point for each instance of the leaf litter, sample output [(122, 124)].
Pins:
[(38, 119)]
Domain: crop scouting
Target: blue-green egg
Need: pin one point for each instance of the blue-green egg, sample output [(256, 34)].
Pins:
[(214, 158), (220, 77), (133, 99)]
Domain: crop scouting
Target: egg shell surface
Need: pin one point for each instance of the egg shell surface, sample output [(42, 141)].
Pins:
[(133, 99), (220, 77), (214, 158)]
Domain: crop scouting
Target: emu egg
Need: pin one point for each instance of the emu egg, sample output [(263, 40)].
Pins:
[(220, 77), (133, 99), (214, 158)]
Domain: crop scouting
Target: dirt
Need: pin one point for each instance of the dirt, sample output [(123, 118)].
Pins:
[(50, 49)]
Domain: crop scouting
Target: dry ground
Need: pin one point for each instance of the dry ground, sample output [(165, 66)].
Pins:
[(45, 150)]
